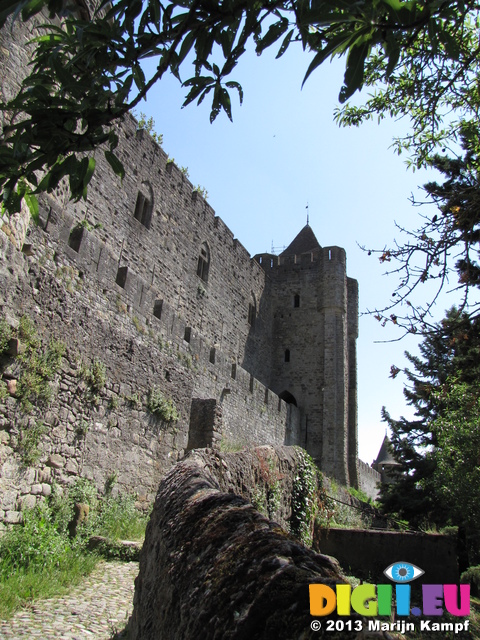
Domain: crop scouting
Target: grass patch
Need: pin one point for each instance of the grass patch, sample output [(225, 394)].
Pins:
[(42, 558), (27, 585)]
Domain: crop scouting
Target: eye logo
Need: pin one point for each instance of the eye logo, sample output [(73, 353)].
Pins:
[(403, 572)]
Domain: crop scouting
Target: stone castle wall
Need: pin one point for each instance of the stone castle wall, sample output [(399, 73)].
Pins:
[(112, 434), (144, 277)]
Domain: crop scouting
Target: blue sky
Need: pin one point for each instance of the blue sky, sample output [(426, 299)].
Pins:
[(284, 151)]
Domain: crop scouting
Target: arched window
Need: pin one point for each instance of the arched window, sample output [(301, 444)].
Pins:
[(288, 397), (203, 262)]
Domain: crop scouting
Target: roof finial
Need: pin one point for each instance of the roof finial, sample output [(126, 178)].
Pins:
[(307, 215)]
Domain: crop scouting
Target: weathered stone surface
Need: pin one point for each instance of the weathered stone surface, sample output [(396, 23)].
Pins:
[(212, 567), (13, 517), (27, 502), (46, 489), (8, 500), (12, 387), (80, 514), (56, 461)]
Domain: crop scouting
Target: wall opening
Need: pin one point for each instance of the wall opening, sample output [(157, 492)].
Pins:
[(143, 210), (205, 425), (212, 355), (188, 334), (287, 355), (157, 308), (287, 397), (203, 265), (121, 278), (251, 314), (296, 300), (234, 371), (75, 238)]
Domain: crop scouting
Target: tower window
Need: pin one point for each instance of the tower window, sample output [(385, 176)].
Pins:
[(157, 308), (122, 276), (287, 355), (188, 334), (75, 238), (212, 355), (203, 263), (143, 210), (296, 300)]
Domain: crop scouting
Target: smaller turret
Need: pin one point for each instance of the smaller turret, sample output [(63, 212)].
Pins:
[(385, 463)]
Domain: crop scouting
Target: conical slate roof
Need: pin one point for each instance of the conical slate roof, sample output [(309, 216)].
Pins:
[(305, 241), (385, 455)]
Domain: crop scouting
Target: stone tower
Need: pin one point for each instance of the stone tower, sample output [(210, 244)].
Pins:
[(314, 315)]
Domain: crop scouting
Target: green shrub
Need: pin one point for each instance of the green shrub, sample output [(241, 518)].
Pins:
[(472, 577), (119, 519), (39, 559), (162, 407), (38, 366), (6, 333), (27, 332), (359, 494), (95, 376), (29, 441)]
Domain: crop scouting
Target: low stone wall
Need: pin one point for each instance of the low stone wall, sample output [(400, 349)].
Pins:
[(214, 567), (368, 553)]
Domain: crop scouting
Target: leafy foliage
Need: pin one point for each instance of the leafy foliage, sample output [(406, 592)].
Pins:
[(456, 476), (149, 125), (95, 376), (305, 498), (6, 333), (163, 408), (36, 365), (39, 558), (450, 353), (87, 73)]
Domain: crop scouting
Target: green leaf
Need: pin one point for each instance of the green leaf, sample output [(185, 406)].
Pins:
[(354, 72), (32, 203), (187, 44), (115, 163), (138, 76), (285, 43), (235, 85), (226, 102), (274, 32), (89, 172)]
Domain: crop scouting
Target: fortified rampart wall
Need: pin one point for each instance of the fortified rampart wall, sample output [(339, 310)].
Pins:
[(70, 298), (145, 278)]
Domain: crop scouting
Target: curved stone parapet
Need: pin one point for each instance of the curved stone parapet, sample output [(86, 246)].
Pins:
[(212, 567)]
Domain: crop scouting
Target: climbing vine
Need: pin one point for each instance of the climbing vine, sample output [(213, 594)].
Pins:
[(306, 497)]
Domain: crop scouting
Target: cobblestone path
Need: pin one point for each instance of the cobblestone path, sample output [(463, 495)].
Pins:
[(93, 610)]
